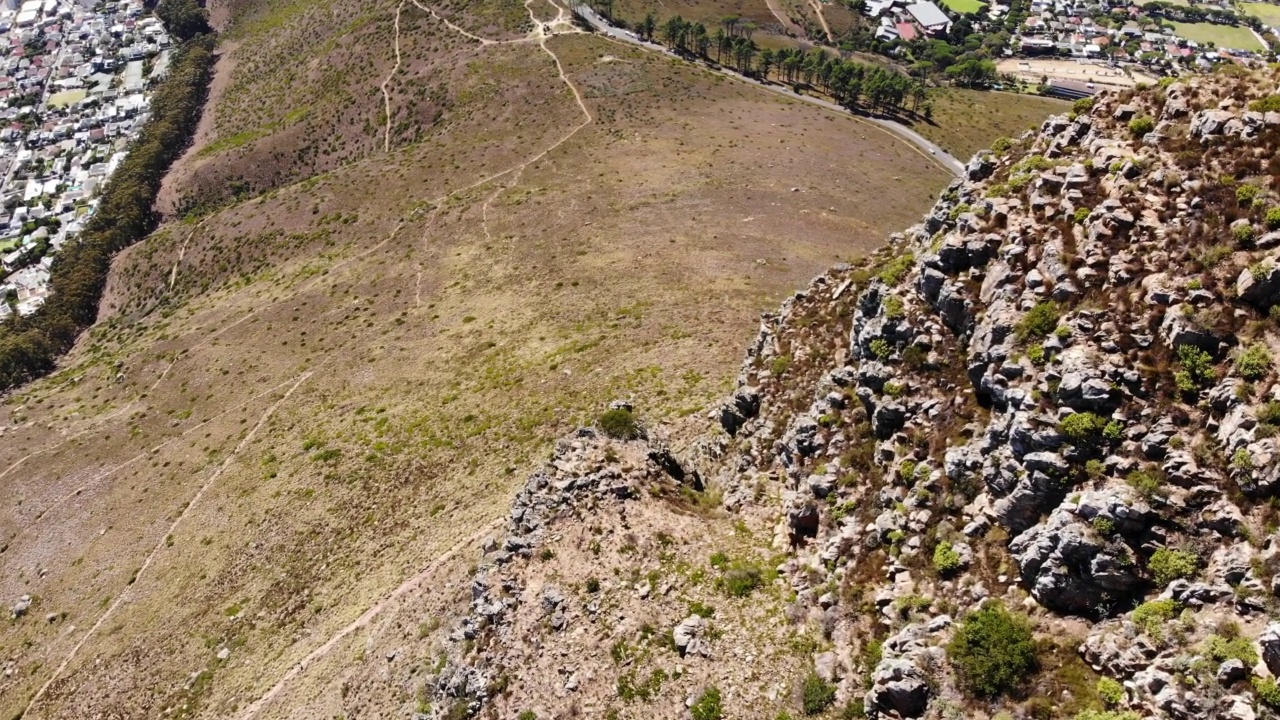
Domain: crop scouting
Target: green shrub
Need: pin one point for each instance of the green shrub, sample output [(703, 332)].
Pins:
[(1035, 354), (1220, 649), (1111, 691), (881, 349), (1195, 284), (893, 308), (894, 271), (816, 695), (1214, 255), (1242, 460), (707, 706), (1032, 163), (1273, 218), (1197, 368), (945, 558), (593, 585), (1151, 616), (1147, 482), (1001, 145), (527, 715), (620, 424), (1039, 321), (1082, 428), (1103, 525), (1141, 125), (1267, 691), (778, 366), (993, 651), (894, 390), (1114, 431), (1244, 235), (1246, 194), (1108, 715), (740, 579), (1082, 106), (1270, 413), (1081, 214), (1168, 565), (1270, 103), (1254, 362)]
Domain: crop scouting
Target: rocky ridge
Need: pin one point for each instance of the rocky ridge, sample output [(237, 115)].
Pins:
[(1056, 395)]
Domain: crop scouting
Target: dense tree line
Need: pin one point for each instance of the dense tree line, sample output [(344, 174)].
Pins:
[(852, 84), (29, 346)]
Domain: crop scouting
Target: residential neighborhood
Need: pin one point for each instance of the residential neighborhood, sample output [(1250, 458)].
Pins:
[(1075, 48), (74, 92)]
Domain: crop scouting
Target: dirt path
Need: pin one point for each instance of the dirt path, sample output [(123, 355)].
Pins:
[(453, 27), (787, 24), (386, 95), (407, 586), (540, 34), (822, 20), (161, 542)]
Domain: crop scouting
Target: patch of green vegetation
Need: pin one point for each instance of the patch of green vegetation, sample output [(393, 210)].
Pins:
[(707, 706), (1167, 565), (1107, 715), (816, 695), (631, 688), (1084, 428), (1197, 369), (1111, 691), (893, 307), (993, 651), (1267, 691), (1219, 648), (881, 349), (1246, 194), (946, 559), (620, 424), (1254, 362), (895, 271), (1141, 125), (1039, 321), (1151, 616)]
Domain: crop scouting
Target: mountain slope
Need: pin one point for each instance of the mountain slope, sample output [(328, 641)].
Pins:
[(1023, 463)]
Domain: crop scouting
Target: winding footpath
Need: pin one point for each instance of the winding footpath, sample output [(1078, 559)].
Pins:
[(926, 148)]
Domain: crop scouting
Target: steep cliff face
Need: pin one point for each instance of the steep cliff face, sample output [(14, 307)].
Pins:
[(1022, 461)]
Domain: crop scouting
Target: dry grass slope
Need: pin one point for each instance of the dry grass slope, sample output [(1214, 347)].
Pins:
[(303, 400)]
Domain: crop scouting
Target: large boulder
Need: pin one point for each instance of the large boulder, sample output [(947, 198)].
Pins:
[(1259, 284), (1069, 568), (898, 689), (1269, 641)]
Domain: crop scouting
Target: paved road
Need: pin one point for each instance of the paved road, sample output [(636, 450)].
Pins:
[(926, 148)]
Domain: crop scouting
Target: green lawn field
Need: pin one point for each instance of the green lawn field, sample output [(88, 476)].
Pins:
[(1224, 36), (1268, 13), (963, 6)]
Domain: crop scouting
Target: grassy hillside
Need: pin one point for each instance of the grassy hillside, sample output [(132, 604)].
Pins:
[(296, 403)]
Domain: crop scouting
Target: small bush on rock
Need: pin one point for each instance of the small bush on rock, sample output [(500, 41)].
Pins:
[(1108, 715), (993, 651), (1246, 194), (1082, 428), (620, 424), (1141, 125), (1273, 218), (896, 269), (945, 558), (1254, 363), (1039, 321), (1111, 691), (1267, 691), (1168, 565), (1220, 649), (1151, 616), (816, 695)]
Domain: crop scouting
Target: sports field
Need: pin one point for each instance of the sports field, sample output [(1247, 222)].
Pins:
[(1223, 36), (1268, 13), (964, 6)]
